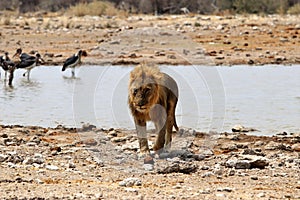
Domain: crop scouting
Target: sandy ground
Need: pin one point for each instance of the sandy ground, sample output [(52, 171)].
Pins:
[(93, 163), (213, 40)]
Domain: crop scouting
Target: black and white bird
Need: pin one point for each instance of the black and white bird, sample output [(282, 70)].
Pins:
[(8, 66), (29, 63), (23, 56), (72, 62)]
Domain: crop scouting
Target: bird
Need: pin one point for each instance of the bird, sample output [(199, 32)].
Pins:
[(72, 61), (29, 63), (8, 66), (23, 56)]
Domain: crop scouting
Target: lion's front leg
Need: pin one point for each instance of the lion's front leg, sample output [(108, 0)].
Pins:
[(142, 136), (160, 140)]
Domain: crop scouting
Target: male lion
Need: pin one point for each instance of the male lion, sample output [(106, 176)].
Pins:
[(152, 96)]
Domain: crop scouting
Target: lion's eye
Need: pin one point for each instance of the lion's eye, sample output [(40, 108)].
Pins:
[(135, 91), (147, 90)]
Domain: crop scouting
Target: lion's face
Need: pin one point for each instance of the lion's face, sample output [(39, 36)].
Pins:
[(143, 94)]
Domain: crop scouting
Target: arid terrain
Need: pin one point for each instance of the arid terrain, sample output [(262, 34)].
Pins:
[(92, 163), (95, 163), (179, 39)]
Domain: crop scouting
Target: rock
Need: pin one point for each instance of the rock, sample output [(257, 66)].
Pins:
[(248, 162), (3, 157), (52, 167), (31, 144), (129, 182), (207, 174), (148, 167), (87, 127), (296, 147), (35, 139), (242, 164), (133, 146), (240, 128), (131, 190), (226, 189), (71, 165), (256, 152), (261, 195), (148, 160), (277, 146), (115, 42), (119, 139), (183, 167)]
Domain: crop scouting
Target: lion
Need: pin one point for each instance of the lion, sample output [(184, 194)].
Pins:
[(153, 96)]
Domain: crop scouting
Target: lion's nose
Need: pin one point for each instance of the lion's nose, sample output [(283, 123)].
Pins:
[(141, 103)]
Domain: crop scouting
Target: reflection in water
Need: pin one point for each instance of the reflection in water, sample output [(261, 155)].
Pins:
[(265, 98)]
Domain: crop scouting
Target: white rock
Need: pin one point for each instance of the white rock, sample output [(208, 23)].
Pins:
[(129, 182), (52, 167)]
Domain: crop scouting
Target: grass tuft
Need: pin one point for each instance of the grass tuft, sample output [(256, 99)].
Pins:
[(95, 8)]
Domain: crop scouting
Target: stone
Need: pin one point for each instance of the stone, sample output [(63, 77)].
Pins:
[(247, 162), (240, 128), (133, 146), (148, 167), (52, 167), (129, 182), (226, 189), (3, 157), (296, 147), (131, 190), (119, 139), (207, 174), (277, 146), (182, 167)]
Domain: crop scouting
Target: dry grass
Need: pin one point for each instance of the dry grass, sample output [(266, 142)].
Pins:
[(95, 8), (295, 10)]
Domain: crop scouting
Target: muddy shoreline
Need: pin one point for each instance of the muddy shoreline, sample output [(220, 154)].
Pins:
[(172, 40)]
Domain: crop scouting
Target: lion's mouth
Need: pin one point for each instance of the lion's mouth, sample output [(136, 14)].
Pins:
[(141, 108)]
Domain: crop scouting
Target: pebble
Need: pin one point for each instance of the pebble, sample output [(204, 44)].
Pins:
[(131, 190), (261, 195), (226, 189), (296, 147), (148, 167), (3, 157), (52, 167), (129, 182)]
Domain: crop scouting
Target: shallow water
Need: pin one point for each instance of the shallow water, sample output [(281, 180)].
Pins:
[(210, 98)]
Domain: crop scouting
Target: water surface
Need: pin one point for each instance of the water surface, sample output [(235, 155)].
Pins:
[(210, 98)]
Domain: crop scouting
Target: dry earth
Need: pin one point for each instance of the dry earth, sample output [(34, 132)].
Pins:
[(93, 163), (196, 39)]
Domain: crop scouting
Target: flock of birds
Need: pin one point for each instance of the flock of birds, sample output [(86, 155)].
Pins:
[(25, 61)]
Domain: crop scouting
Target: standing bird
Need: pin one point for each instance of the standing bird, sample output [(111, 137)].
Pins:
[(8, 66), (29, 63), (72, 61), (23, 56)]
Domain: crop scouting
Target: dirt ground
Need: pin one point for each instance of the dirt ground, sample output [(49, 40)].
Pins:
[(93, 163), (194, 39)]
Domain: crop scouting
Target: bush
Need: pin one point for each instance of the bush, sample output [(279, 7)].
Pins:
[(95, 8), (295, 10)]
